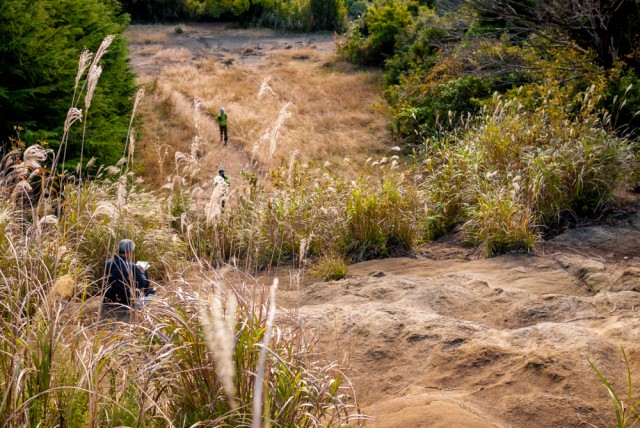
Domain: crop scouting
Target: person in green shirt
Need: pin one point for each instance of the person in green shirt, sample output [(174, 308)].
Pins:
[(221, 120)]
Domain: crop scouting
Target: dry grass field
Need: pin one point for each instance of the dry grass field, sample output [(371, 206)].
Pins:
[(286, 95)]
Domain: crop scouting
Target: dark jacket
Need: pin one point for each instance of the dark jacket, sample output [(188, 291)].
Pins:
[(123, 276)]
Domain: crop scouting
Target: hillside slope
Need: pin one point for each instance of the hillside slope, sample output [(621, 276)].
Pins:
[(324, 111), (443, 339)]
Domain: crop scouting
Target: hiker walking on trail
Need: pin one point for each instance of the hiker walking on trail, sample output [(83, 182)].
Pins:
[(215, 207), (221, 120), (221, 185)]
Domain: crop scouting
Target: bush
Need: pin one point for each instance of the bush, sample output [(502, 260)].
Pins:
[(290, 15), (372, 38), (622, 99), (357, 8), (382, 219), (441, 106), (328, 14), (506, 187)]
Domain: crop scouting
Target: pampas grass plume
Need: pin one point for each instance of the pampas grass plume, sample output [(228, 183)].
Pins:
[(92, 82), (83, 63), (219, 332)]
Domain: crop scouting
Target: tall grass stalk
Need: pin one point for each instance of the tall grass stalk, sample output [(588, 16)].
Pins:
[(627, 416), (259, 382)]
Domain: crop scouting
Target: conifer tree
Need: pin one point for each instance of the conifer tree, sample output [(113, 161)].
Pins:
[(328, 14), (40, 43)]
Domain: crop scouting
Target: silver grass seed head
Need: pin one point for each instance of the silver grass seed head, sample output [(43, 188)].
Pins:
[(74, 114), (136, 102), (106, 42), (265, 88), (112, 170), (22, 188), (91, 162), (179, 156), (92, 82), (197, 102), (105, 208), (265, 137), (83, 63), (132, 143), (35, 153), (48, 219)]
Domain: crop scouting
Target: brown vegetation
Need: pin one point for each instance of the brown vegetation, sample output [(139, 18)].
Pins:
[(332, 108)]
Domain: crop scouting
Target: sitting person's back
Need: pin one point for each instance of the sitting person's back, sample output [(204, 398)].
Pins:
[(123, 277)]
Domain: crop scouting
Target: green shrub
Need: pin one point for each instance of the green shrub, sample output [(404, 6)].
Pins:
[(287, 15), (38, 70), (328, 14), (372, 38), (516, 174), (357, 8), (622, 99), (382, 219), (441, 106)]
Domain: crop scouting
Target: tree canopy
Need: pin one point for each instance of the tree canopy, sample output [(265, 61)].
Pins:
[(302, 15), (444, 60), (40, 43)]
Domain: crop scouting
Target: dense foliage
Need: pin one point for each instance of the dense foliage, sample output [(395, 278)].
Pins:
[(300, 15), (40, 43), (442, 64)]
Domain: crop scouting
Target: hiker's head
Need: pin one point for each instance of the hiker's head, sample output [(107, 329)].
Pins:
[(221, 171), (126, 247), (221, 109)]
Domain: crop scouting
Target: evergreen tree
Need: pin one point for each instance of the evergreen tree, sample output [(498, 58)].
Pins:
[(328, 14), (40, 43)]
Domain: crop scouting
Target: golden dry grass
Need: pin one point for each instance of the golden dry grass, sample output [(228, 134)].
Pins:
[(333, 112), (148, 34)]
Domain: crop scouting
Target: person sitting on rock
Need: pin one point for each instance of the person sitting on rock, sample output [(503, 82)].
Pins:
[(123, 277)]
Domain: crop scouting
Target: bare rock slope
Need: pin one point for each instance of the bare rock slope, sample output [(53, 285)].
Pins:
[(443, 340)]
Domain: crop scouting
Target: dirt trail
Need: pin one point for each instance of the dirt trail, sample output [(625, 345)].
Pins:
[(286, 97), (448, 340)]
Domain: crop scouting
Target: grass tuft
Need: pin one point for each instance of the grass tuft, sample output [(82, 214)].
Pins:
[(330, 268)]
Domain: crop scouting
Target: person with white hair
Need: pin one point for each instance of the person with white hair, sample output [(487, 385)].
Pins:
[(124, 278), (222, 120)]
